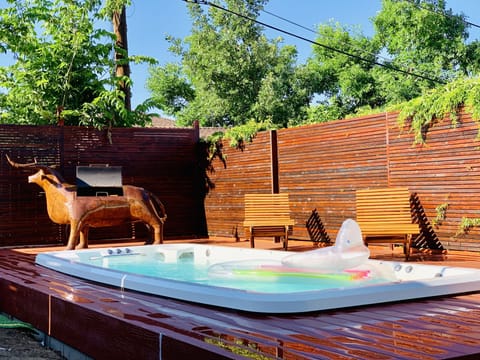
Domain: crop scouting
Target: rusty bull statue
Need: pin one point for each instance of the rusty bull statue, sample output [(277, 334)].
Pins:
[(83, 212)]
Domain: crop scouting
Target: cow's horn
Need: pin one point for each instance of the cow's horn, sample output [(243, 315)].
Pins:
[(18, 165)]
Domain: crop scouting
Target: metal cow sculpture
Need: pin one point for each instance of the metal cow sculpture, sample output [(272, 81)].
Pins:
[(83, 212)]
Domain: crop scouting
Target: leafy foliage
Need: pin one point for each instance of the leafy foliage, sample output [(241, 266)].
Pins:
[(237, 137), (441, 211), (414, 50), (466, 224), (440, 103), (343, 80), (62, 66), (229, 72), (113, 6), (245, 133), (423, 36), (170, 88)]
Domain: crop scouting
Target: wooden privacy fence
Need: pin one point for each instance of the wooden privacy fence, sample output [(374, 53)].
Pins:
[(321, 166), (164, 161)]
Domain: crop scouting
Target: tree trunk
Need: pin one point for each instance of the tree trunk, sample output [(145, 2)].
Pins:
[(122, 67)]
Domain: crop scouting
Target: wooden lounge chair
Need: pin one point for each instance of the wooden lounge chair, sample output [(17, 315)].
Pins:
[(267, 215), (384, 216)]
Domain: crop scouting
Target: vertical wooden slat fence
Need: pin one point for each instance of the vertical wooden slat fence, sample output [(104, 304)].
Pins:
[(444, 170), (328, 164), (246, 171), (322, 165), (163, 161), (23, 216)]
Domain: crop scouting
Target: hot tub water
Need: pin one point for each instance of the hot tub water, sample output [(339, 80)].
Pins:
[(256, 280)]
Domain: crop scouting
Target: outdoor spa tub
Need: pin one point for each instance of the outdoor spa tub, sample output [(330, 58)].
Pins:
[(256, 280)]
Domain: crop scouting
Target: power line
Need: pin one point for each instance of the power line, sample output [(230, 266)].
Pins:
[(419, 6), (364, 51), (289, 21), (315, 32), (387, 66)]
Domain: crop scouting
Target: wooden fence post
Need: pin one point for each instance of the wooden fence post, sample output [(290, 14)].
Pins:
[(274, 161)]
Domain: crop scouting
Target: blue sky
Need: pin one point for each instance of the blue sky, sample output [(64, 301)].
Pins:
[(149, 21)]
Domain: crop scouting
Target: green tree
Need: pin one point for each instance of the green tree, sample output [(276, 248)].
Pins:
[(417, 46), (422, 37), (229, 72), (341, 73), (62, 66)]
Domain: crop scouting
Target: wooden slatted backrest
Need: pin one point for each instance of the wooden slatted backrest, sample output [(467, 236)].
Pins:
[(384, 205), (267, 209)]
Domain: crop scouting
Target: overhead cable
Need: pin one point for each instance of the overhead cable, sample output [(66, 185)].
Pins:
[(387, 66), (419, 6), (315, 32)]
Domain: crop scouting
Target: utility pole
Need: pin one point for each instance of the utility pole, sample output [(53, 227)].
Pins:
[(122, 66)]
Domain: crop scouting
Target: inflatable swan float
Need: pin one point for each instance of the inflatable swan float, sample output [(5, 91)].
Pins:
[(348, 252)]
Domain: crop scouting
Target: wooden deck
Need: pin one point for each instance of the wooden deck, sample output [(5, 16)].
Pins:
[(104, 322)]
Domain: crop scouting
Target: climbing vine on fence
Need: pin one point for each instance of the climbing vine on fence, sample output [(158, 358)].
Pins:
[(440, 103), (441, 211), (237, 137), (466, 224)]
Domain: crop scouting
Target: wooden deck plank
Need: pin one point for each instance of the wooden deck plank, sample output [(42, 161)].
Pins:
[(131, 325)]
